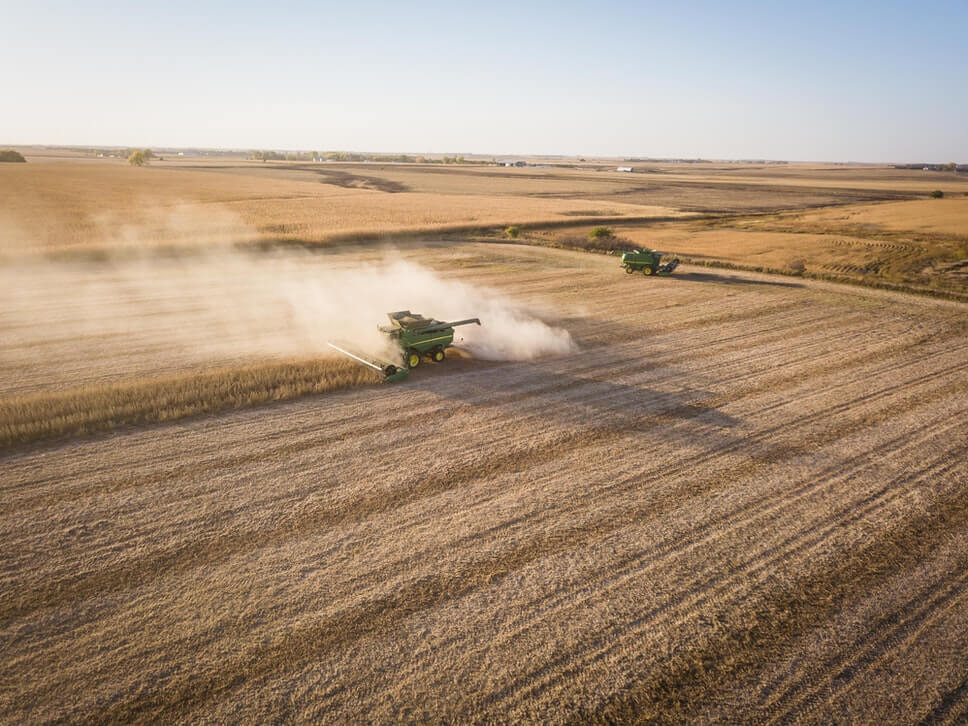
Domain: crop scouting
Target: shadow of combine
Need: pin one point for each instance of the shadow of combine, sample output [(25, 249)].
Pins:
[(734, 279), (572, 402)]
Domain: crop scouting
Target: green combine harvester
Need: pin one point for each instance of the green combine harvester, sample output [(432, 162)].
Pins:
[(420, 337), (648, 262), (416, 336)]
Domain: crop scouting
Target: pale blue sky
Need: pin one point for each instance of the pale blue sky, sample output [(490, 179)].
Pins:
[(838, 81)]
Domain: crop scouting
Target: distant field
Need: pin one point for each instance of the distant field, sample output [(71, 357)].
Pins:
[(83, 204), (98, 206), (920, 244), (933, 216)]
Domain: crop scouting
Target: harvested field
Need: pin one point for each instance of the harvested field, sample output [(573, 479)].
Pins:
[(744, 499)]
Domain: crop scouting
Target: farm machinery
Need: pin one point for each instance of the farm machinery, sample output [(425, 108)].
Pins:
[(417, 338), (648, 262), (420, 337)]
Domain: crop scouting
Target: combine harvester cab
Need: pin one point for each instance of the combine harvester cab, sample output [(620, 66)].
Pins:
[(420, 337), (648, 262)]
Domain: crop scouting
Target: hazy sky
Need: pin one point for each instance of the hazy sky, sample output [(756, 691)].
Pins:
[(861, 81)]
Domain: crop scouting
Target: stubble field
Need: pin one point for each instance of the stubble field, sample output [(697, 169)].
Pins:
[(743, 498)]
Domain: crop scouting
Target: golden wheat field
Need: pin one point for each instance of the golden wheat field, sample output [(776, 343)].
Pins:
[(78, 206), (723, 496)]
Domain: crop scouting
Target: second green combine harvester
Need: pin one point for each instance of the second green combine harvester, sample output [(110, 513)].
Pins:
[(648, 262)]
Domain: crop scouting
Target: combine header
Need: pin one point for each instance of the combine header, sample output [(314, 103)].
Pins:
[(391, 373), (647, 262), (416, 336)]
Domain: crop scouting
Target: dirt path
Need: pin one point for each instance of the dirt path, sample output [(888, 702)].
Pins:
[(745, 498)]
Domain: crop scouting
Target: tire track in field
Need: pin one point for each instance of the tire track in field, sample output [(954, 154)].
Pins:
[(194, 554), (634, 481), (443, 483), (709, 592), (381, 614), (811, 599), (889, 631), (378, 616), (723, 526), (738, 517), (628, 515), (510, 396), (566, 385), (710, 581), (126, 574), (953, 708)]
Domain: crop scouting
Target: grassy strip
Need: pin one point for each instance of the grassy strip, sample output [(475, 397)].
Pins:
[(840, 279), (93, 409), (617, 245)]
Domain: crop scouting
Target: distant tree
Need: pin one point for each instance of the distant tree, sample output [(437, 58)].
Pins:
[(937, 194), (601, 233), (149, 154), (512, 232), (137, 158), (11, 155)]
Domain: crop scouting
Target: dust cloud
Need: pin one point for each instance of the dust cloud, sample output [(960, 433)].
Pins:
[(228, 304)]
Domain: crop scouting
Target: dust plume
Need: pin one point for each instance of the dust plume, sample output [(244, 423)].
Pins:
[(227, 304)]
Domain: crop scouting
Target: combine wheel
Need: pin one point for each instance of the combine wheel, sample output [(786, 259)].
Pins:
[(413, 358), (647, 270), (438, 355), (629, 269)]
